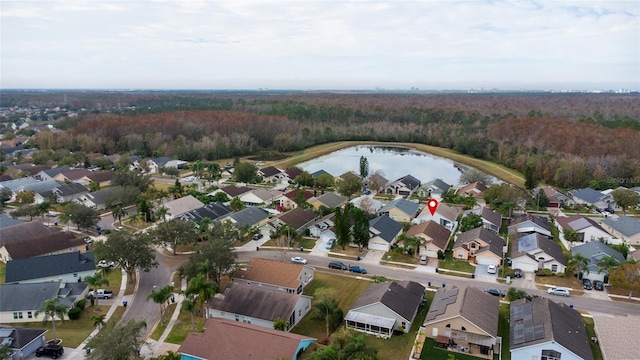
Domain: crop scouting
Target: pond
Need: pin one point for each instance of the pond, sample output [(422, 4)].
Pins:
[(394, 162)]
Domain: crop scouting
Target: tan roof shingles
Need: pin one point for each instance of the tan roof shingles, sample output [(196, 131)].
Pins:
[(618, 336), (438, 233), (226, 339), (271, 272), (24, 231)]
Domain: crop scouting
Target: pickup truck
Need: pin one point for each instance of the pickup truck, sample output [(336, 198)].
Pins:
[(101, 294)]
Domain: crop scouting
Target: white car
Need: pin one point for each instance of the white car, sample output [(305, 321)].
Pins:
[(298, 260), (492, 269), (105, 264)]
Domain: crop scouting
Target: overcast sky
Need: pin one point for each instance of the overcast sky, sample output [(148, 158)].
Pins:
[(247, 44)]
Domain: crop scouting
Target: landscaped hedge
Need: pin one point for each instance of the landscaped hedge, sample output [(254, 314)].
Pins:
[(74, 313)]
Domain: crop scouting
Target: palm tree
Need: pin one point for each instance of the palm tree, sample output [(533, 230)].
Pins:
[(578, 263), (607, 263), (189, 304), (96, 281), (327, 309), (52, 308), (203, 288), (99, 321), (160, 297), (412, 242), (162, 194), (119, 212), (43, 208), (357, 348), (162, 212)]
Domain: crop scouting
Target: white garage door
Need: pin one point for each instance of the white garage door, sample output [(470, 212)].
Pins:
[(486, 261), (377, 245)]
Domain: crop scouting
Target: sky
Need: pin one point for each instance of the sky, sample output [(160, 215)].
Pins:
[(320, 45)]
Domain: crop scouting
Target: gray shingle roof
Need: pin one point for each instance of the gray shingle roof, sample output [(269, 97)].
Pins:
[(624, 225), (533, 241), (594, 251), (491, 216), (401, 297), (331, 199), (249, 216), (6, 221), (270, 171), (318, 173), (406, 206), (386, 226), (542, 320), (25, 231), (70, 189), (298, 217), (20, 337), (31, 296), (587, 194), (538, 220), (254, 301), (437, 186), (212, 211), (44, 266)]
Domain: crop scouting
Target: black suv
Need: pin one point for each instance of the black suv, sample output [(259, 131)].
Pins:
[(54, 351), (337, 265), (586, 283)]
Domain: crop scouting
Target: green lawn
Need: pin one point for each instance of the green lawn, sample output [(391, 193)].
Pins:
[(591, 332), (452, 264), (3, 272), (307, 243), (157, 332), (503, 330), (182, 327)]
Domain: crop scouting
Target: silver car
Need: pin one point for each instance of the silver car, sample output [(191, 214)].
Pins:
[(558, 291)]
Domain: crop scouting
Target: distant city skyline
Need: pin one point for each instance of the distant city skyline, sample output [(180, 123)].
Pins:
[(321, 45)]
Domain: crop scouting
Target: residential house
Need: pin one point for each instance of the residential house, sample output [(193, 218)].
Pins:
[(257, 305), (479, 246), (68, 267), (323, 228), (400, 210), (464, 319), (491, 220), (20, 302), (534, 252), (33, 238), (214, 211), (21, 341), (444, 215), (624, 228), (259, 197), (543, 329), (251, 216), (475, 190), (25, 170), (155, 164), (590, 197), (72, 175), (182, 205), (227, 339), (376, 182), (587, 229), (404, 186), (367, 203), (556, 198), (293, 173), (271, 174), (96, 200), (67, 192), (49, 173), (434, 236), (594, 251), (530, 223), (28, 184), (386, 307), (298, 218), (319, 173), (329, 199), (435, 188), (101, 178), (275, 275), (615, 335), (384, 232), (232, 191), (286, 200)]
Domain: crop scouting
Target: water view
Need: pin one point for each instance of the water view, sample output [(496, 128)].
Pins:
[(394, 162)]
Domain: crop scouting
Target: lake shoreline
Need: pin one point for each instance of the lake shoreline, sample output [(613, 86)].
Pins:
[(499, 171)]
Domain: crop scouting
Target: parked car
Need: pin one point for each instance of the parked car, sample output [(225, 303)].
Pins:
[(598, 285), (517, 273), (330, 243), (494, 292), (106, 264), (337, 265), (257, 236), (492, 269), (298, 260), (101, 294), (54, 351), (558, 291), (357, 269), (586, 284)]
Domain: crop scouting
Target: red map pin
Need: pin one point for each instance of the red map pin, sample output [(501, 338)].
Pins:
[(432, 204)]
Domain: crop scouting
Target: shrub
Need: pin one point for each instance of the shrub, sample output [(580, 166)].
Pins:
[(544, 272), (74, 314), (440, 255), (81, 303)]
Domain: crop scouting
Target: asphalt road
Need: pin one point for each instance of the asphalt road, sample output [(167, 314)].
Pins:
[(140, 308)]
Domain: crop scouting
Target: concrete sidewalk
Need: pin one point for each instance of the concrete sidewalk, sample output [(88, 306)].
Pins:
[(155, 348)]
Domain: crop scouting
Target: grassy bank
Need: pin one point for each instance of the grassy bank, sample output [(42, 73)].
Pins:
[(501, 172)]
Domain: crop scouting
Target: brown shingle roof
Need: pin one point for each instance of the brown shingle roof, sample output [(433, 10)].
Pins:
[(292, 194), (438, 233), (271, 272), (76, 174), (297, 217), (495, 242), (43, 245), (474, 305), (227, 339), (101, 176), (25, 231), (234, 191)]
